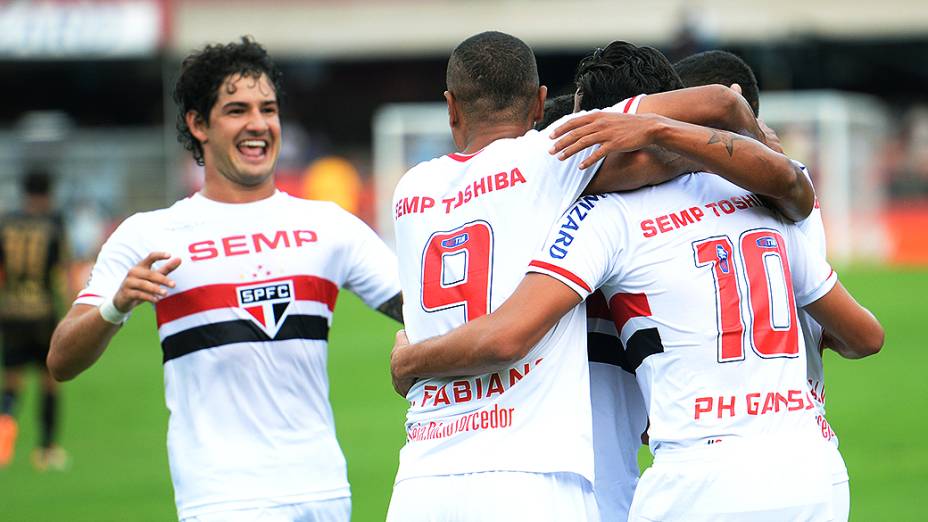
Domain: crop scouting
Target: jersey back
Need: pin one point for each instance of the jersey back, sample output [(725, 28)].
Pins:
[(466, 227), (704, 283)]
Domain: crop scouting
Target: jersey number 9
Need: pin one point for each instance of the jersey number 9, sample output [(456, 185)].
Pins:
[(457, 270)]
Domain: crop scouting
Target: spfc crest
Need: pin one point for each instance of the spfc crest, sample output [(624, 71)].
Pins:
[(267, 304)]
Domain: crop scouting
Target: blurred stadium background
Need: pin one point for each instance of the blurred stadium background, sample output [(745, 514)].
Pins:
[(88, 83)]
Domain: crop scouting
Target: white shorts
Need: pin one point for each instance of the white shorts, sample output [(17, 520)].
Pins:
[(332, 510), (736, 481), (494, 496)]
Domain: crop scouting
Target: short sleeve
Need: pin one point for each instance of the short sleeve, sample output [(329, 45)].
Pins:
[(372, 273), (811, 274), (812, 226), (573, 180), (627, 106), (583, 245), (118, 254)]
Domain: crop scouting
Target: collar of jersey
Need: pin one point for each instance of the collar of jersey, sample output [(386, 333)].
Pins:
[(200, 199)]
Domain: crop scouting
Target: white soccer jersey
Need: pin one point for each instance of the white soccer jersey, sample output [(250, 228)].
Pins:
[(704, 297), (244, 335), (466, 226), (619, 414)]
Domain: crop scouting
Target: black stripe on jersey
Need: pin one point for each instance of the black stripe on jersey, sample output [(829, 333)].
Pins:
[(310, 327), (641, 345), (606, 349)]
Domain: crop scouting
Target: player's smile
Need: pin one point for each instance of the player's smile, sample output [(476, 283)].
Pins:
[(253, 150)]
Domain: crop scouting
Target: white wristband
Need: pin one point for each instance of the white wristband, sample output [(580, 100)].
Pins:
[(111, 314)]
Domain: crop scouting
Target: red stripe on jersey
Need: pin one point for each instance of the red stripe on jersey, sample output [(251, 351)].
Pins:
[(596, 306), (456, 156), (628, 306), (88, 295), (212, 297), (628, 105), (561, 272)]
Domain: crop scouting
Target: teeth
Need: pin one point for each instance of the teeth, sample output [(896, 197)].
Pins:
[(253, 143)]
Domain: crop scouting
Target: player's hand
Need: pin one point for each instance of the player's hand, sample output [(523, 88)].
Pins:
[(401, 384), (612, 131), (770, 137), (144, 283)]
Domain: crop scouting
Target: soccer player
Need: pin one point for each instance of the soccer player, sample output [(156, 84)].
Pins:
[(512, 443), (244, 280), (620, 417), (33, 256), (703, 283), (722, 67)]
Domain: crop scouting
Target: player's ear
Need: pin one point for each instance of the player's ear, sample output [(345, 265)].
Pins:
[(538, 112), (735, 87), (454, 114), (197, 125)]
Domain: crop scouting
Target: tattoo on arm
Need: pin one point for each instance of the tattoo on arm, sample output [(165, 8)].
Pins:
[(393, 308), (727, 139)]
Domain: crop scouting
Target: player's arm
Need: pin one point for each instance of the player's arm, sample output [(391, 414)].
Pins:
[(712, 105), (490, 342), (642, 168), (393, 307), (741, 160), (82, 336), (854, 331)]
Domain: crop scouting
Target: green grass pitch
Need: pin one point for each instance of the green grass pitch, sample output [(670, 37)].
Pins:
[(115, 420)]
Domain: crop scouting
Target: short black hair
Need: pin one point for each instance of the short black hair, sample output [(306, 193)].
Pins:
[(493, 75), (555, 109), (722, 67), (37, 182), (622, 70), (204, 71)]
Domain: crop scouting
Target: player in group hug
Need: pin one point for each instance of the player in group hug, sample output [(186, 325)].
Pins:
[(637, 261)]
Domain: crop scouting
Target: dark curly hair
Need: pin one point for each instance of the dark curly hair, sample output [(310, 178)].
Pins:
[(622, 70), (204, 71)]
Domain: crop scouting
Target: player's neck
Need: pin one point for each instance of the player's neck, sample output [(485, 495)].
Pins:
[(226, 191), (477, 139)]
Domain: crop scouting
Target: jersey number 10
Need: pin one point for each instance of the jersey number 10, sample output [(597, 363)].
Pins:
[(772, 309), (457, 268)]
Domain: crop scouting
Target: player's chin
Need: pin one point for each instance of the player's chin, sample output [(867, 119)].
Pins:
[(254, 176)]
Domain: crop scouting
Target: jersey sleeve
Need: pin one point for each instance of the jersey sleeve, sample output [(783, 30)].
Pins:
[(583, 246), (627, 106), (812, 226), (118, 254), (372, 271), (811, 274), (570, 179)]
